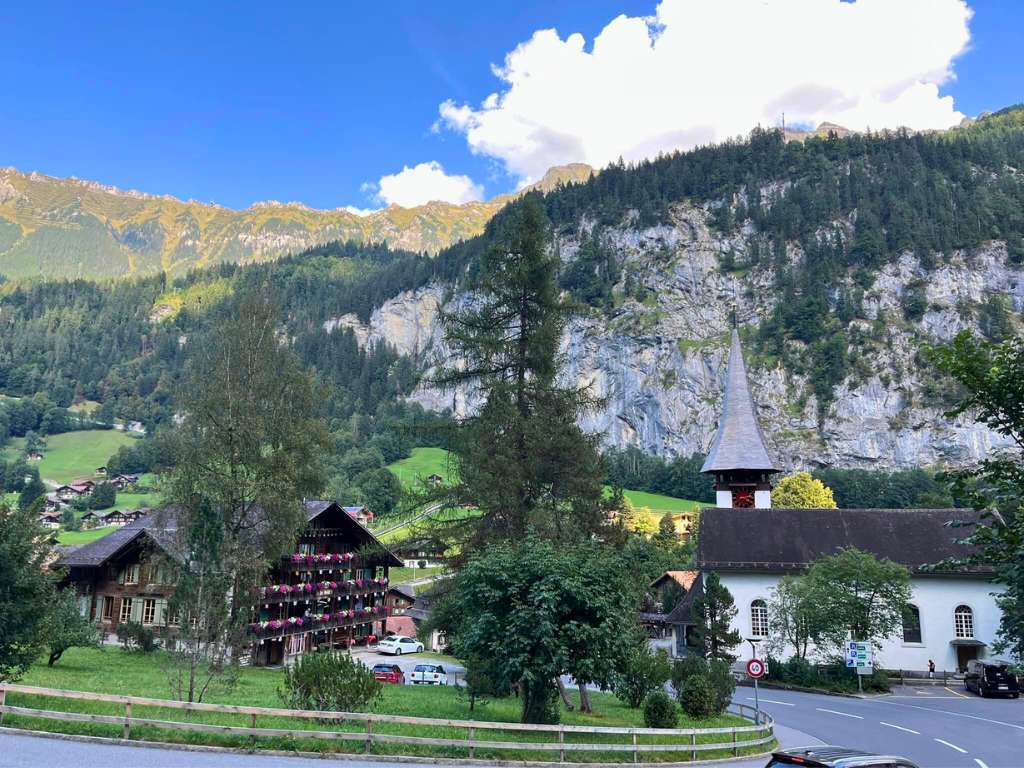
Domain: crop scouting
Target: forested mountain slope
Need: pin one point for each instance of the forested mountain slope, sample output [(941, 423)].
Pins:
[(840, 257)]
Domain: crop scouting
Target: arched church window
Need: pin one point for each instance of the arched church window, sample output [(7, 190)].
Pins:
[(759, 618), (963, 621), (911, 624)]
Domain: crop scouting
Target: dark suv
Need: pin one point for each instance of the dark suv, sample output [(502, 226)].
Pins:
[(991, 679), (835, 757)]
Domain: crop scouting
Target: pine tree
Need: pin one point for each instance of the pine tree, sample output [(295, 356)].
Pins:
[(714, 611)]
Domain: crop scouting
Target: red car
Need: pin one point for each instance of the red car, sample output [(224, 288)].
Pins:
[(389, 673)]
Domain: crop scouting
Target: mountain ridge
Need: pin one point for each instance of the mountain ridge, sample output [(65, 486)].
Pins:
[(56, 227)]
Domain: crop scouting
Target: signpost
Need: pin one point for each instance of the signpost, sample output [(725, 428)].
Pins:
[(860, 656), (756, 669)]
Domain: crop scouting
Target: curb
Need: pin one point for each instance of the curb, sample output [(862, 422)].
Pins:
[(802, 689), (349, 757)]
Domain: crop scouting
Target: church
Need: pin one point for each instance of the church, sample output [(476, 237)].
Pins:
[(750, 545)]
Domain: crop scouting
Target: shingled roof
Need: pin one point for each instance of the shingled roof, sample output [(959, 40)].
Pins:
[(97, 552), (785, 540), (739, 443)]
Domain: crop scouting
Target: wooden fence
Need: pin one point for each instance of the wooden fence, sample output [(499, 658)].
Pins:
[(682, 740)]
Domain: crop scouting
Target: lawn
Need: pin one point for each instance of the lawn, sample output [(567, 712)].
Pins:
[(658, 503), (74, 455), (77, 538), (143, 675), (423, 463), (403, 575)]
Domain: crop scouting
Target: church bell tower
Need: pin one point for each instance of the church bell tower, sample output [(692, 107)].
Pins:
[(739, 459)]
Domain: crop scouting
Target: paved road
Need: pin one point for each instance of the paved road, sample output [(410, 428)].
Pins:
[(935, 727)]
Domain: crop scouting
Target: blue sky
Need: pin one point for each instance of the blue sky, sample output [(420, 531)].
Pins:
[(234, 103)]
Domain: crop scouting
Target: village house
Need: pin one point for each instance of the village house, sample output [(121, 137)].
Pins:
[(50, 520), (751, 546), (360, 514), (329, 592), (74, 490), (54, 503), (100, 472), (120, 482), (421, 552)]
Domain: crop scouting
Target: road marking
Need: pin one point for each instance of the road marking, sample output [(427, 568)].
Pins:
[(981, 763), (899, 728), (834, 712), (772, 701), (960, 695), (953, 714), (961, 750)]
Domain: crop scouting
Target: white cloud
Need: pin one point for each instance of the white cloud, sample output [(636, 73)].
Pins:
[(423, 183), (706, 70), (359, 211)]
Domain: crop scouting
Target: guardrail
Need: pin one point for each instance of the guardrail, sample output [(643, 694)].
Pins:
[(683, 740)]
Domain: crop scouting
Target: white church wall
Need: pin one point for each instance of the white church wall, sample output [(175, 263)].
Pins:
[(935, 597)]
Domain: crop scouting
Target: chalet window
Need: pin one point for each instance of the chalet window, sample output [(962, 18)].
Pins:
[(963, 622), (148, 611), (126, 610), (172, 618), (130, 574), (759, 618), (911, 624), (107, 613)]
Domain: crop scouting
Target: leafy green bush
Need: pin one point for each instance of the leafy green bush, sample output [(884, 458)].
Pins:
[(332, 682), (723, 683), (659, 710), (698, 697), (685, 668), (641, 672), (135, 637)]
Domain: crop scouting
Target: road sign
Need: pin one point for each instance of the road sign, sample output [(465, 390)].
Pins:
[(860, 656), (756, 668)]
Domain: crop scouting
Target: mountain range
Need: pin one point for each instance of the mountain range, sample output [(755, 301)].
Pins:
[(69, 228)]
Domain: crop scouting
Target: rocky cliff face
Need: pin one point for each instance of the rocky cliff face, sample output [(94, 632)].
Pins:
[(660, 365)]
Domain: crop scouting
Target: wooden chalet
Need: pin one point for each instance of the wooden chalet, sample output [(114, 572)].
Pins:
[(50, 520), (120, 482), (330, 592)]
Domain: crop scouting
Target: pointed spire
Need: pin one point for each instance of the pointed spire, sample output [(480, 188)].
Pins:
[(739, 443)]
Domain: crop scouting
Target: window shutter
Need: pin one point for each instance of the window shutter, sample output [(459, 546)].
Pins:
[(137, 611)]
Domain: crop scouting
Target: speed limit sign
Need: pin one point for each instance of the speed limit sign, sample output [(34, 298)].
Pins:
[(756, 668)]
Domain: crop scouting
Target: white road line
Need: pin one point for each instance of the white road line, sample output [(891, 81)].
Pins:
[(899, 727), (772, 701), (951, 714), (961, 750), (833, 712), (981, 763)]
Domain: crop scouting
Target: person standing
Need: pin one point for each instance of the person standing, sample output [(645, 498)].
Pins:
[(931, 669)]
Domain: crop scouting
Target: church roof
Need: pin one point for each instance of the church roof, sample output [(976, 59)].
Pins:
[(739, 443), (784, 540)]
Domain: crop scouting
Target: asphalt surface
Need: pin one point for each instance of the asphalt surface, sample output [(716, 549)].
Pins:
[(934, 727)]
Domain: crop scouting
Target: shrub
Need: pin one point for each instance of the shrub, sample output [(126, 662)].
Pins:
[(685, 668), (332, 682), (698, 697), (723, 684), (659, 710), (641, 672), (135, 637)]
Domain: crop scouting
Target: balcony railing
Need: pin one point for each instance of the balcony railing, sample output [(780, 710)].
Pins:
[(318, 622), (280, 593)]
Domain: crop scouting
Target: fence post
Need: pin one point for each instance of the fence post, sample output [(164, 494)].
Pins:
[(126, 732), (369, 734), (735, 749), (3, 701), (636, 752), (472, 743), (253, 737), (693, 743), (561, 744)]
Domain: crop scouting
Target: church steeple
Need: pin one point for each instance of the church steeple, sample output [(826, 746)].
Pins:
[(739, 458)]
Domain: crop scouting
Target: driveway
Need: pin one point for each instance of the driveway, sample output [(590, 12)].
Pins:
[(408, 661)]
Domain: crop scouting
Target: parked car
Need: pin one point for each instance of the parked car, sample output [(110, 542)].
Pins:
[(987, 678), (397, 645), (429, 674), (389, 673), (835, 757)]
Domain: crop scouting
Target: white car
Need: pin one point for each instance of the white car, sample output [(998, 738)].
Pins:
[(428, 674), (399, 645)]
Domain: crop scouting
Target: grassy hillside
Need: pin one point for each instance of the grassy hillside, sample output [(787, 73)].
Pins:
[(75, 455), (429, 461)]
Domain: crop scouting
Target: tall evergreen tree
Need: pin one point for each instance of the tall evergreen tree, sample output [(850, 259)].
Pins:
[(522, 460), (714, 611)]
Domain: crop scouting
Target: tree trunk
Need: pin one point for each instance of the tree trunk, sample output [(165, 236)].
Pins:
[(585, 699), (564, 694), (54, 658)]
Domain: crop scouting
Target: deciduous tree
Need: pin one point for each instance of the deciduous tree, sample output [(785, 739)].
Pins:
[(802, 491), (26, 591)]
